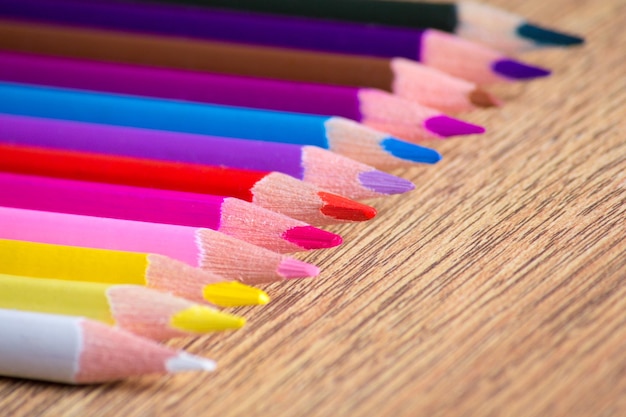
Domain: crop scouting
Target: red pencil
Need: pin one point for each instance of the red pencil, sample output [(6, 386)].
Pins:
[(271, 190)]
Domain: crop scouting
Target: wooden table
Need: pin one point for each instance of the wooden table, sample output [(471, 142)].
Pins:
[(496, 288)]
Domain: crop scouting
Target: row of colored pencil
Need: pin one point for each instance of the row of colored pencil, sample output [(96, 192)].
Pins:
[(158, 159)]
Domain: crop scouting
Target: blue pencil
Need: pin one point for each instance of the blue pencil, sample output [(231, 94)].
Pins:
[(337, 134)]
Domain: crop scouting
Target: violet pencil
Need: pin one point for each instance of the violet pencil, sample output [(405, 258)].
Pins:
[(318, 166)]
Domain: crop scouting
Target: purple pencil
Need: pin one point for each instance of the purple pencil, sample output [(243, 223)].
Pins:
[(374, 108), (318, 166), (234, 217), (443, 51)]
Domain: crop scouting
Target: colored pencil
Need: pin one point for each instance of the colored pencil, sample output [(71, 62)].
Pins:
[(440, 50), (207, 249), (228, 215), (335, 133), (76, 350), (140, 310), (73, 263), (273, 191), (374, 108), (325, 169), (403, 77), (492, 26)]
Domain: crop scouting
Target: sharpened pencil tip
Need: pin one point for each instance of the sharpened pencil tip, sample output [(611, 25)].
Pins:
[(202, 319), (547, 37), (186, 362), (309, 237), (384, 183), (233, 294), (411, 152), (342, 208), (290, 268), (445, 127), (481, 98), (516, 70)]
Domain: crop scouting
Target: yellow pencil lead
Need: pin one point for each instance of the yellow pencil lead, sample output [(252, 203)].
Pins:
[(232, 294), (201, 319)]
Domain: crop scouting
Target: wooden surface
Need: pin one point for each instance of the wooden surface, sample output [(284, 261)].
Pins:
[(497, 288)]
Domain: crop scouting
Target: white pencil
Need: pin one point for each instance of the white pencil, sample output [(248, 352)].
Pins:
[(76, 350)]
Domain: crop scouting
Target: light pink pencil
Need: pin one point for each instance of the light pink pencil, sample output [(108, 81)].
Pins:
[(202, 248), (231, 216)]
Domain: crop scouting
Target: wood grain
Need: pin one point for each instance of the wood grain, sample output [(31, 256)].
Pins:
[(497, 288)]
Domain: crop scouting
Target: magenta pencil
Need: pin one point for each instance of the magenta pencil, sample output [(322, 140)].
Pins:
[(202, 248), (231, 216), (372, 107)]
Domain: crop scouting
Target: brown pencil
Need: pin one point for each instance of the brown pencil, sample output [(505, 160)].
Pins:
[(402, 77)]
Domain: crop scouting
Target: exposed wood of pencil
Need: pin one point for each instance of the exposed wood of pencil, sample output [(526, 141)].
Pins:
[(495, 289)]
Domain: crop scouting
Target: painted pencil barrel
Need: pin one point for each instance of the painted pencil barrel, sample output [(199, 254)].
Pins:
[(222, 25), (204, 87)]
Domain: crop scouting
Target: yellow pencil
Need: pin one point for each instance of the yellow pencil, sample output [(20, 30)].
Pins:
[(140, 310), (40, 260)]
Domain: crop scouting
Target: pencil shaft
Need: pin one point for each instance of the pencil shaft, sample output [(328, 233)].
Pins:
[(155, 144), (442, 16), (87, 299), (40, 260), (182, 85), (115, 201), (177, 242), (163, 114), (223, 25), (202, 55), (130, 171)]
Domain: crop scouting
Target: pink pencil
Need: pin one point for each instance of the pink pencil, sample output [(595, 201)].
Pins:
[(228, 215), (201, 248)]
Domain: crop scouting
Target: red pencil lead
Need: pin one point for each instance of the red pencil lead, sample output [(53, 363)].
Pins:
[(344, 209)]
